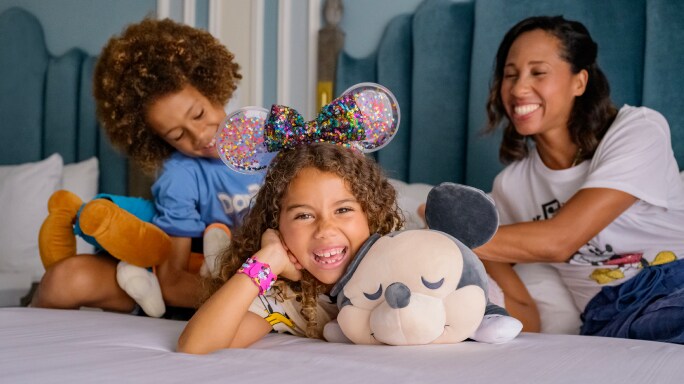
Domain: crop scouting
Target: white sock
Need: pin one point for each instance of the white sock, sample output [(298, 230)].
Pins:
[(496, 329), (215, 241), (142, 286)]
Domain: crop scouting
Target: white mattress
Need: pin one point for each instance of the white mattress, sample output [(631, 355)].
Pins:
[(58, 346)]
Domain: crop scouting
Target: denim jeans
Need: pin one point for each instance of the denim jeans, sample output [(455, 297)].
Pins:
[(649, 306)]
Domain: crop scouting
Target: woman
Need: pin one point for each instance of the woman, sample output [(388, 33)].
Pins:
[(590, 188)]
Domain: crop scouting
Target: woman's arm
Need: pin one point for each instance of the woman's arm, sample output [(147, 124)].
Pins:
[(517, 298), (587, 213)]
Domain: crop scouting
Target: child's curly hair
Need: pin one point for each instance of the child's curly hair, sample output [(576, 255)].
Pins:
[(149, 60), (367, 182)]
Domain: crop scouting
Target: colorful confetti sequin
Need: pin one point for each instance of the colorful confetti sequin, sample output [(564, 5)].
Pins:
[(365, 117)]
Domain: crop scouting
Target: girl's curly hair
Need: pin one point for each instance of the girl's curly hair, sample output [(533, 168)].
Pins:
[(593, 112), (149, 60), (367, 182)]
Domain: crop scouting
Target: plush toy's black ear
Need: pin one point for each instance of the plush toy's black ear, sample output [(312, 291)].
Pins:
[(464, 212), (354, 264)]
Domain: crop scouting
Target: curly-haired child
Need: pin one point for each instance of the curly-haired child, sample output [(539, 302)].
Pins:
[(160, 89), (318, 205)]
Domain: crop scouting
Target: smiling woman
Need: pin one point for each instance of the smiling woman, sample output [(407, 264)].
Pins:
[(537, 91)]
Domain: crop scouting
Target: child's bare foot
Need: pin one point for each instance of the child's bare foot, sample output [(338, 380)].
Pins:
[(216, 239)]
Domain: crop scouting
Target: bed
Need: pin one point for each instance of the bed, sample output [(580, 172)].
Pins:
[(83, 346), (56, 346)]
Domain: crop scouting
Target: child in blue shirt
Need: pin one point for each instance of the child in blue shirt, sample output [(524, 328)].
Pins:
[(160, 89)]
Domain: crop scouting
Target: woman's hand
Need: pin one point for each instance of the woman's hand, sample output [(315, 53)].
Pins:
[(275, 253), (421, 212)]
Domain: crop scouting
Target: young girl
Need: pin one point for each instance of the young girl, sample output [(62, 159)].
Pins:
[(318, 205), (160, 89), (598, 194)]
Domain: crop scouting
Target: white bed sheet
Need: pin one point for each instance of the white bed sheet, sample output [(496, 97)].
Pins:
[(60, 346)]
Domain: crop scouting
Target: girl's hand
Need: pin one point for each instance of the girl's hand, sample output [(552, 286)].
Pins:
[(275, 253), (294, 260)]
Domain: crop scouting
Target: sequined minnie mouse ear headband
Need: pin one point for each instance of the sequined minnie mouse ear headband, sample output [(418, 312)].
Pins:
[(365, 117)]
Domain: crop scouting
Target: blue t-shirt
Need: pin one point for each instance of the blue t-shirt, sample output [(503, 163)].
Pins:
[(193, 192)]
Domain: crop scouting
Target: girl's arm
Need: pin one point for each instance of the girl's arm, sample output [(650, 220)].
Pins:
[(517, 298), (224, 321), (179, 287), (586, 214)]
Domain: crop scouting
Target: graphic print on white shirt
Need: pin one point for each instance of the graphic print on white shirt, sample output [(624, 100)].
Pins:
[(635, 156)]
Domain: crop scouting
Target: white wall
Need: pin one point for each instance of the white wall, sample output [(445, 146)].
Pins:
[(248, 31)]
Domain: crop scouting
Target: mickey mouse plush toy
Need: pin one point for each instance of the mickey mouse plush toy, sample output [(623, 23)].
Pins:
[(425, 286)]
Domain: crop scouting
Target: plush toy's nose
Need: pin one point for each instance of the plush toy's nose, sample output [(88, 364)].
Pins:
[(398, 295)]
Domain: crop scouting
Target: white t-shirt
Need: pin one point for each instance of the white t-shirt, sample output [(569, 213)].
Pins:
[(635, 156), (281, 307)]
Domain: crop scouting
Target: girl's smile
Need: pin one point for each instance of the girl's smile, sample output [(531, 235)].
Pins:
[(330, 257), (322, 223)]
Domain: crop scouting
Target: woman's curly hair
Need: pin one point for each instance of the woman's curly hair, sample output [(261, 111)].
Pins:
[(367, 182), (592, 113), (149, 60)]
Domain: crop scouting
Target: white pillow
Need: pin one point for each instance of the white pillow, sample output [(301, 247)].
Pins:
[(557, 309), (24, 192), (82, 179), (409, 197)]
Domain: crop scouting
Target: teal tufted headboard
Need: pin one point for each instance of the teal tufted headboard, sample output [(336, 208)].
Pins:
[(46, 103), (438, 61)]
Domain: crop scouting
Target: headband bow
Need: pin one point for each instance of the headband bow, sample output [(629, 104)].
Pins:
[(365, 117)]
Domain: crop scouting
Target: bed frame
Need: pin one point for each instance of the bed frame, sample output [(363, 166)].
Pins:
[(438, 62), (46, 103)]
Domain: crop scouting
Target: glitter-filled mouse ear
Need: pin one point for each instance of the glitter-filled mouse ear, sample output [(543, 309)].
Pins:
[(381, 112), (240, 140)]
